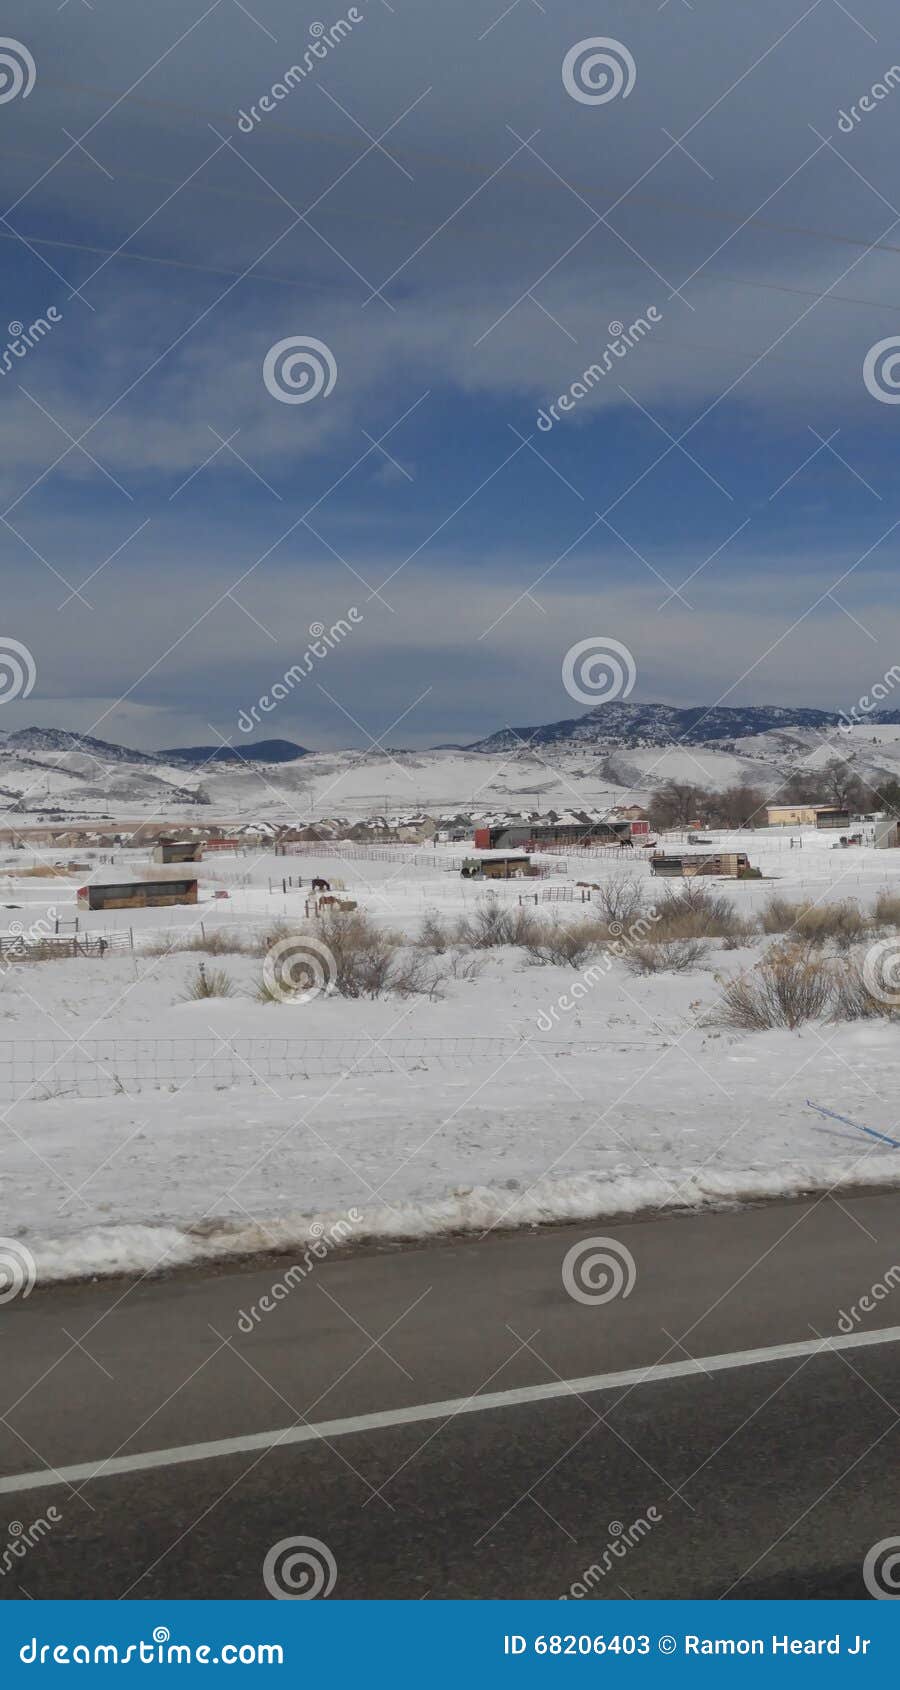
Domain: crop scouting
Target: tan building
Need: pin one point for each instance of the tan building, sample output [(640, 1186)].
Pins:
[(791, 815)]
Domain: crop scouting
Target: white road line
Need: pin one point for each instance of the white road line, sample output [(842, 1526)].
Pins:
[(357, 1423)]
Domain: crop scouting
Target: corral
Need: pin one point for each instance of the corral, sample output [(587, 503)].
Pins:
[(526, 1023)]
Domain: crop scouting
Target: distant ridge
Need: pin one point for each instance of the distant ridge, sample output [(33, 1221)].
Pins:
[(61, 740), (621, 723), (263, 751)]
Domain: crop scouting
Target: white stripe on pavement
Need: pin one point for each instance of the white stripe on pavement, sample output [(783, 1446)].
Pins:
[(303, 1434)]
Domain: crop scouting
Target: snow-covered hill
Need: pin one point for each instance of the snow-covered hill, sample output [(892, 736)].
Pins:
[(612, 754), (621, 723)]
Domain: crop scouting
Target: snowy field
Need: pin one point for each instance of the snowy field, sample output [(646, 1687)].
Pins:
[(142, 1131)]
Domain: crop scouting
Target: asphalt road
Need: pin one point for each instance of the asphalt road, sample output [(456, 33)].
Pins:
[(754, 1476)]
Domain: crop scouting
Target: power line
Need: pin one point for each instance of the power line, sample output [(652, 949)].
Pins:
[(687, 208), (316, 287)]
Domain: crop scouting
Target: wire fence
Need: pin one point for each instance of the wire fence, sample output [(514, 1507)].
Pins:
[(38, 1069), (25, 947), (351, 851)]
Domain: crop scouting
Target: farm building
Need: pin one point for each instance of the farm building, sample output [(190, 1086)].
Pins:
[(178, 851), (791, 815), (806, 815), (501, 865), (887, 833), (532, 835), (733, 865), (137, 894)]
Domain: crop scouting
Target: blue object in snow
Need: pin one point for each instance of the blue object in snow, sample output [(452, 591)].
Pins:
[(846, 1121)]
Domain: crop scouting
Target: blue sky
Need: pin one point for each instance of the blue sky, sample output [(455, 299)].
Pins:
[(436, 156)]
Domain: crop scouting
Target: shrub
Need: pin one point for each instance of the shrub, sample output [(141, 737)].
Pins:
[(785, 989), (568, 944), (433, 934), (843, 923), (492, 923), (780, 915), (887, 909), (463, 967), (356, 958), (217, 943), (620, 901), (697, 912), (212, 983), (674, 956), (854, 999)]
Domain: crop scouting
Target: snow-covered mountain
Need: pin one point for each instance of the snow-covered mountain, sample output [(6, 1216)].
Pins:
[(37, 741), (615, 753), (619, 723)]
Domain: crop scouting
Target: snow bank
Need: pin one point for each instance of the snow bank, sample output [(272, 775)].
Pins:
[(114, 1249)]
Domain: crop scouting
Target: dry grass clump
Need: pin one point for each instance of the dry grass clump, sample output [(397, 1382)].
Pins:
[(350, 956), (672, 956), (42, 871), (780, 915), (219, 942), (842, 923), (697, 912), (887, 909), (789, 986), (372, 962), (492, 923), (568, 944), (854, 1000), (434, 935), (208, 983)]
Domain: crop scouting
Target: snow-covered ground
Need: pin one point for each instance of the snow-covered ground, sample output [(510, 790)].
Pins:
[(278, 1118)]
